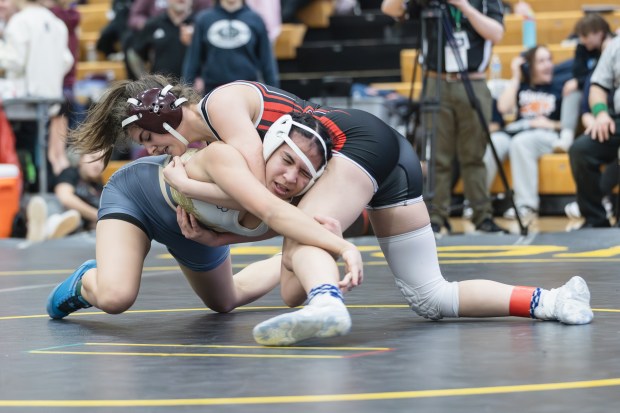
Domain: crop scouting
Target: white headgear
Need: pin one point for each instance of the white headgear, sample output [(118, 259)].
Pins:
[(278, 134)]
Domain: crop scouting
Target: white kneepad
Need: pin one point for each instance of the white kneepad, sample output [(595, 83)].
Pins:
[(412, 257), (432, 302)]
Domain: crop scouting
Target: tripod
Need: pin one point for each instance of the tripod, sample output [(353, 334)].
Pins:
[(430, 106)]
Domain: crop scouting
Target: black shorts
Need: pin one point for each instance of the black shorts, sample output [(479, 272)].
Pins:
[(387, 157)]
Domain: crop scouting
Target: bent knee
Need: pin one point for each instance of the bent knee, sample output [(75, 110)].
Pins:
[(114, 301), (221, 308), (434, 300)]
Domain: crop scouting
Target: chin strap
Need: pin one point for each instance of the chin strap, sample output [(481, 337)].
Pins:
[(154, 110), (176, 134)]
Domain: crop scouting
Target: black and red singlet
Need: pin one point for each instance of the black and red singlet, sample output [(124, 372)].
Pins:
[(385, 155)]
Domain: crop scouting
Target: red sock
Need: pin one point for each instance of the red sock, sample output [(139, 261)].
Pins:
[(520, 301)]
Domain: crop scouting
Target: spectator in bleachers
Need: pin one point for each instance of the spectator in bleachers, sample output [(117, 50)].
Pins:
[(79, 188), (139, 12), (537, 101), (230, 43), (594, 33), (165, 37), (609, 178), (66, 11), (36, 58), (601, 140), (116, 32), (476, 26)]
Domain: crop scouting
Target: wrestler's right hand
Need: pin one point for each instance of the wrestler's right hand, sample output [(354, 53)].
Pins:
[(192, 230), (354, 268)]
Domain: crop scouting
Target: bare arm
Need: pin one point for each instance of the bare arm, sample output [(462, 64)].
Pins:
[(67, 197), (232, 111), (227, 168), (191, 229), (176, 175), (508, 99), (485, 26), (603, 125)]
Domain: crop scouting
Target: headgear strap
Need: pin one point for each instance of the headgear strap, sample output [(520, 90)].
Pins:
[(157, 110), (278, 134)]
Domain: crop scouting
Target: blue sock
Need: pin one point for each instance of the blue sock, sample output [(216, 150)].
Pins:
[(535, 301), (330, 289)]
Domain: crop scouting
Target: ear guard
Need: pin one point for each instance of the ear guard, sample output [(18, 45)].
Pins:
[(278, 134), (157, 110)]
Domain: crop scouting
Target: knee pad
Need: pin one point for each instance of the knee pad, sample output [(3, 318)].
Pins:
[(430, 301), (412, 258)]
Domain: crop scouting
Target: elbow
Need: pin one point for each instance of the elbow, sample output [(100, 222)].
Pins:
[(498, 35)]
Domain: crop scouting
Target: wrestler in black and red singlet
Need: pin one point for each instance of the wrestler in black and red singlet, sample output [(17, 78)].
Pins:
[(384, 154)]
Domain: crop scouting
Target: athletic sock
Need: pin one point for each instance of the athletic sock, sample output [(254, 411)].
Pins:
[(532, 302), (78, 293), (325, 290)]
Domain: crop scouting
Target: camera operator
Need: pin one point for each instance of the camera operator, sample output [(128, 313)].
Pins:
[(476, 25)]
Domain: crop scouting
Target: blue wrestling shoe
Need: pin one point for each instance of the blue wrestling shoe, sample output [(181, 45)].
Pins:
[(63, 300)]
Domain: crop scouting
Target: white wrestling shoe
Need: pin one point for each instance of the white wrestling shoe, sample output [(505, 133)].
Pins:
[(324, 317), (572, 305), (569, 304)]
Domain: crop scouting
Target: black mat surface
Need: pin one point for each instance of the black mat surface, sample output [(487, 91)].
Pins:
[(168, 353)]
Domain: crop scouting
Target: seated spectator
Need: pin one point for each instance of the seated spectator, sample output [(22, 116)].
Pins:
[(538, 103), (600, 142), (79, 188), (610, 175), (42, 226), (594, 33), (66, 11)]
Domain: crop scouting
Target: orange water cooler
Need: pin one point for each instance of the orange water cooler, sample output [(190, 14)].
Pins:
[(9, 197)]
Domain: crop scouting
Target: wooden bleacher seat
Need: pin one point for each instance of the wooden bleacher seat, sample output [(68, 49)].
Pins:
[(505, 53), (555, 5), (554, 176), (291, 37), (106, 2), (316, 14), (87, 38), (108, 69), (93, 17), (402, 88), (551, 27)]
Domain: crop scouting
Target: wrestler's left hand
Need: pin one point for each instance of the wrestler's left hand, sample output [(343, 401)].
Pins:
[(175, 174)]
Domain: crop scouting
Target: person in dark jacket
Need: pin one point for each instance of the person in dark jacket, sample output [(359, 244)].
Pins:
[(165, 37), (230, 42)]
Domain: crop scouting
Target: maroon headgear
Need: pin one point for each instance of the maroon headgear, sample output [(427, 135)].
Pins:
[(157, 110)]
